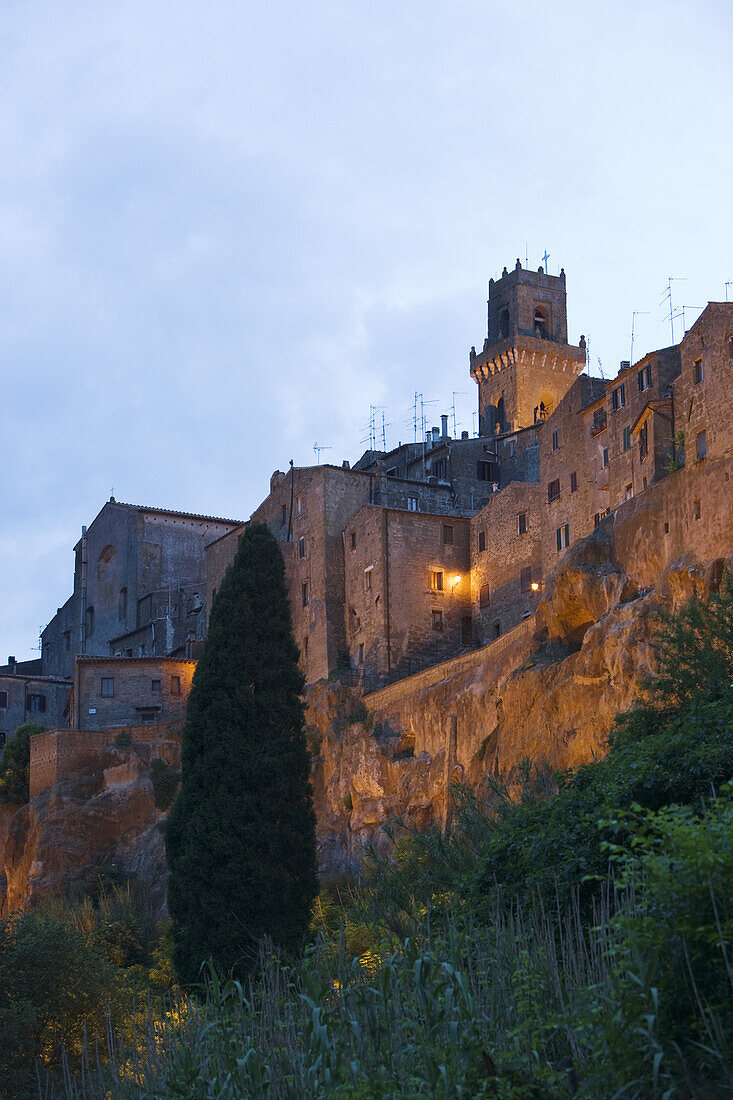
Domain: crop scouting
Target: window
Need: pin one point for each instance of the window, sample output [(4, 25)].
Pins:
[(666, 527), (367, 578), (644, 378), (301, 547), (436, 580), (563, 537), (485, 470), (553, 490), (438, 620), (89, 622), (360, 654), (522, 523), (482, 540), (618, 397), (284, 514), (175, 685), (627, 439), (629, 491), (304, 593), (605, 457), (574, 481), (439, 468), (298, 506), (698, 511), (484, 595), (556, 439), (353, 540), (497, 630), (447, 534), (108, 687), (701, 445), (697, 371), (147, 717), (122, 605), (540, 323), (3, 700), (526, 579), (156, 685), (510, 448), (412, 504), (644, 441), (392, 471)]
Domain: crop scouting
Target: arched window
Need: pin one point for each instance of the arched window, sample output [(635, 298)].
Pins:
[(504, 324), (89, 622), (106, 562), (122, 605), (540, 322)]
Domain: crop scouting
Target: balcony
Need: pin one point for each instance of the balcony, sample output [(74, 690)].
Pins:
[(600, 422)]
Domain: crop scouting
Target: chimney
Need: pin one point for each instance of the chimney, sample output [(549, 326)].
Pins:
[(436, 434), (346, 465), (444, 426), (464, 435), (11, 665)]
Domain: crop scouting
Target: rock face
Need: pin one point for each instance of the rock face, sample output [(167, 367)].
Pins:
[(548, 691), (103, 815)]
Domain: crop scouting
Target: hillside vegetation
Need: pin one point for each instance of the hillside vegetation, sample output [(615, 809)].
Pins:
[(577, 942)]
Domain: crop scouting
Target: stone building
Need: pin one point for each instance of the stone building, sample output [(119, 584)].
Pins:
[(408, 592), (26, 695), (128, 691), (506, 557), (573, 468), (526, 365), (703, 392), (139, 586)]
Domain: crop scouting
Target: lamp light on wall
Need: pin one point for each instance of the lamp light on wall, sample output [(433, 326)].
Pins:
[(535, 586), (455, 580)]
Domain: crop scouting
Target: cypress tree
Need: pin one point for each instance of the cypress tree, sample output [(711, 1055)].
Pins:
[(240, 837)]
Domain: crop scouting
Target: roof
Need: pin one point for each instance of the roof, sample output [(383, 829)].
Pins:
[(650, 407), (88, 659), (28, 676), (173, 512)]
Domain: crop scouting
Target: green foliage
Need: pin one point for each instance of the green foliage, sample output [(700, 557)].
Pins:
[(359, 715), (54, 985), (123, 739), (166, 780), (241, 834), (15, 764)]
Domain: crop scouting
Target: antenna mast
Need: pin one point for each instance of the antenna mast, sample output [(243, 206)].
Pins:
[(634, 315), (317, 450)]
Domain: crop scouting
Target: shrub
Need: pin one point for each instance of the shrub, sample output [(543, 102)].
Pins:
[(15, 764), (166, 780)]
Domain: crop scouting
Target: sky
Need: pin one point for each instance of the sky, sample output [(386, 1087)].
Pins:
[(227, 230)]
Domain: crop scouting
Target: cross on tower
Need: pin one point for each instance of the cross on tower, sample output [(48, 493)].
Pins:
[(545, 258)]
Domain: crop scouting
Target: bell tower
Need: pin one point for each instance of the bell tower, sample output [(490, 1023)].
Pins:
[(526, 365)]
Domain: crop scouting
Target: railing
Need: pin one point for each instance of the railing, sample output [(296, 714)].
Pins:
[(600, 421), (451, 644)]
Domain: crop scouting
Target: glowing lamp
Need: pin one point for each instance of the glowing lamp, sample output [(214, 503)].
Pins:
[(535, 586)]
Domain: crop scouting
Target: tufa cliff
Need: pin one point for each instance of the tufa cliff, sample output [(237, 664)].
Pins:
[(548, 690)]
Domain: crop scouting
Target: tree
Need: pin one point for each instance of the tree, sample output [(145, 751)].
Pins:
[(240, 836), (15, 764)]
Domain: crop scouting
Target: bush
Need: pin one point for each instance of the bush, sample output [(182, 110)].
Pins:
[(15, 764), (166, 781)]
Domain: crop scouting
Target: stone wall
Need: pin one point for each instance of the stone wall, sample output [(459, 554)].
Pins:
[(152, 689)]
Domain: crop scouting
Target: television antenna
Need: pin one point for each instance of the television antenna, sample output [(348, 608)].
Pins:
[(668, 295), (317, 451), (634, 315), (683, 308), (600, 367), (730, 283), (456, 393)]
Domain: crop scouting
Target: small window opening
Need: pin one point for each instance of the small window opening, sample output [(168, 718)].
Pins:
[(304, 593), (156, 685), (574, 482), (701, 444), (482, 540), (697, 371), (301, 547), (697, 509), (447, 534), (175, 685), (484, 595), (522, 523), (108, 687), (436, 580), (438, 620)]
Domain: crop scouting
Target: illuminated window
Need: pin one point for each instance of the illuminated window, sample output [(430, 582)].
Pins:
[(108, 687), (563, 537), (436, 580)]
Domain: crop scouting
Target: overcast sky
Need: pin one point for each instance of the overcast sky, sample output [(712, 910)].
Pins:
[(227, 229)]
